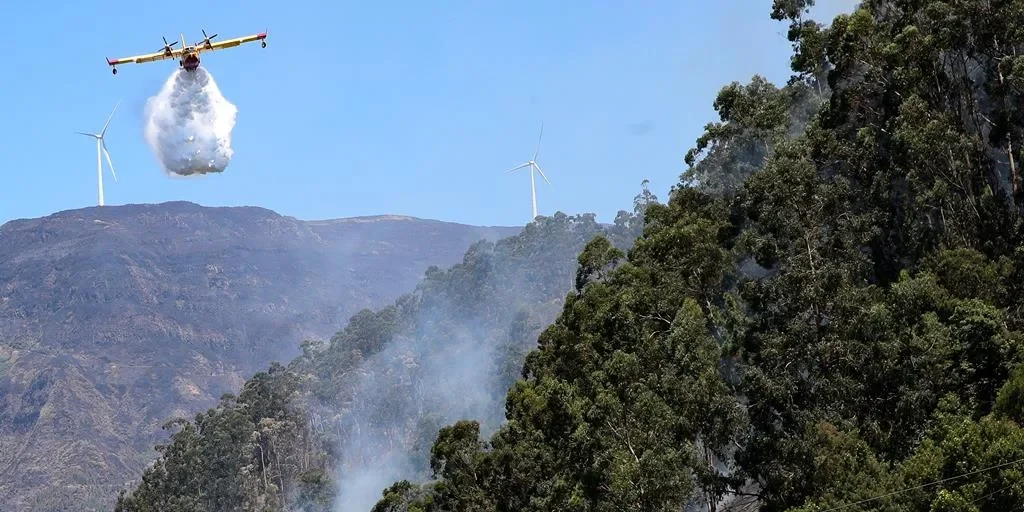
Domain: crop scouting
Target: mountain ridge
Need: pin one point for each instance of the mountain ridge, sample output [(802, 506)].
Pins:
[(115, 319), (190, 204)]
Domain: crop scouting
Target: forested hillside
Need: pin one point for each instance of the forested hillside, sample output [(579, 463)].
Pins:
[(114, 318), (826, 312), (348, 417)]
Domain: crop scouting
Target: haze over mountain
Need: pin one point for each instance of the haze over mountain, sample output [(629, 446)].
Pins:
[(114, 320), (827, 313)]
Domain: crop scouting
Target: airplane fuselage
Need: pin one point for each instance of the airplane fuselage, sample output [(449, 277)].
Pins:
[(189, 61)]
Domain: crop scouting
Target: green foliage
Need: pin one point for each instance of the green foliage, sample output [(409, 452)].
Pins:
[(595, 260), (597, 422), (281, 443), (755, 119), (405, 497), (316, 490), (248, 453), (827, 311)]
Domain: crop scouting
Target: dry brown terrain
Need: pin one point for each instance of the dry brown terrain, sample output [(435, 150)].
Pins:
[(115, 319)]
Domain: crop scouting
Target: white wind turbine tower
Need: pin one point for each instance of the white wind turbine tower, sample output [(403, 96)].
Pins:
[(102, 145), (532, 164)]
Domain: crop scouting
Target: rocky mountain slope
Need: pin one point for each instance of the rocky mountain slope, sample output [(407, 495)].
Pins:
[(114, 320)]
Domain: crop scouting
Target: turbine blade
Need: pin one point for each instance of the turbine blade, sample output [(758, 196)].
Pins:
[(111, 116), (107, 154), (541, 173), (517, 168), (535, 153), (93, 135)]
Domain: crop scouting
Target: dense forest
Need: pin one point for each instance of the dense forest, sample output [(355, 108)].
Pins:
[(347, 417), (825, 313)]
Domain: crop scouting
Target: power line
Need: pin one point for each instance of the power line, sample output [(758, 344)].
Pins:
[(993, 493), (922, 486)]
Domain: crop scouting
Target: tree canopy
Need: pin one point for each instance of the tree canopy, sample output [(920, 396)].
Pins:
[(379, 390), (826, 312)]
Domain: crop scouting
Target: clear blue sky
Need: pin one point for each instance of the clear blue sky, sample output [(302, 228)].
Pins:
[(411, 108)]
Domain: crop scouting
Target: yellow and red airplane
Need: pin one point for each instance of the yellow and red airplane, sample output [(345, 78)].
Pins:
[(188, 55)]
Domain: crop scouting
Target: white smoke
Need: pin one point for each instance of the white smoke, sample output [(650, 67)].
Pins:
[(438, 377), (189, 123)]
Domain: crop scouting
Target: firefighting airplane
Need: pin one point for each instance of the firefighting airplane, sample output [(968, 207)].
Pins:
[(188, 55)]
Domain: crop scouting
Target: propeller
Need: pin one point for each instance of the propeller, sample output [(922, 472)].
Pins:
[(167, 46), (207, 38)]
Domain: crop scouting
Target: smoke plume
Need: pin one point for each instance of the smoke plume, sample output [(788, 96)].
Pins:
[(451, 352), (436, 378), (456, 359), (189, 123)]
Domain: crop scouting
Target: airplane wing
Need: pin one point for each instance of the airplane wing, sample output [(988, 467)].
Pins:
[(230, 43), (149, 57)]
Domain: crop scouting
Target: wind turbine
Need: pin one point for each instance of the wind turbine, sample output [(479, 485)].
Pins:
[(102, 145), (532, 164)]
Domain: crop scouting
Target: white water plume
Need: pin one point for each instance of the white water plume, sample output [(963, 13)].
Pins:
[(189, 123)]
